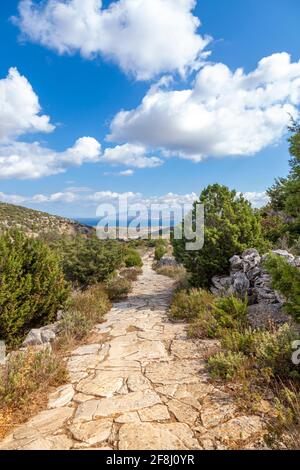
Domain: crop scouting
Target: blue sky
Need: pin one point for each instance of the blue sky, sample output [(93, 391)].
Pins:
[(82, 96)]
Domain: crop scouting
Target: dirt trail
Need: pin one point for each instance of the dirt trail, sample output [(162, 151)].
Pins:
[(142, 385)]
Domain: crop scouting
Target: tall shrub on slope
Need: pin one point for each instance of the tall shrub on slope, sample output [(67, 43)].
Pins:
[(231, 226), (32, 286)]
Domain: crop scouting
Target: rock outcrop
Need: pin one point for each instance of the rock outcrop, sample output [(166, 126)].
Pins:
[(248, 278)]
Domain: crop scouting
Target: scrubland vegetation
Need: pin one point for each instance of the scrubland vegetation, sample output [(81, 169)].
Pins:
[(80, 275)]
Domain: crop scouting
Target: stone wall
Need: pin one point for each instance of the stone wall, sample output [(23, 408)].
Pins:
[(248, 278)]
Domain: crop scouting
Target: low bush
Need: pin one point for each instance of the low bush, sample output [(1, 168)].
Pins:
[(268, 353), (174, 272), (286, 280), (160, 251), (230, 312), (189, 305), (273, 353), (131, 274), (209, 315), (227, 365), (93, 303), (118, 288), (75, 326), (243, 341), (133, 259), (32, 287)]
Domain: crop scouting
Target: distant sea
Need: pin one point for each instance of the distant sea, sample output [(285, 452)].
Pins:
[(92, 222)]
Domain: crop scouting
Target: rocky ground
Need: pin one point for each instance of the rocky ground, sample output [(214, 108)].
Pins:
[(141, 384)]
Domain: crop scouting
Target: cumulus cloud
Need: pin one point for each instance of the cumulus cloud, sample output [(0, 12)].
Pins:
[(88, 198), (144, 37), (224, 113), (94, 198), (20, 114), (130, 155), (20, 108), (257, 199), (31, 161)]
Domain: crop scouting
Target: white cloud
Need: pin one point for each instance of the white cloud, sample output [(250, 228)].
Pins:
[(20, 108), (93, 198), (89, 198), (126, 173), (130, 155), (31, 161), (224, 113), (20, 114), (257, 199), (144, 37)]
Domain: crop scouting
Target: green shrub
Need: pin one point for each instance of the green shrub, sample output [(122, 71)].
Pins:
[(273, 353), (286, 280), (209, 315), (133, 259), (269, 352), (160, 251), (239, 340), (87, 260), (118, 288), (190, 304), (230, 312), (32, 287), (227, 366), (231, 226)]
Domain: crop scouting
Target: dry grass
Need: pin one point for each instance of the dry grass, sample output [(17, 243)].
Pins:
[(25, 380), (131, 274), (175, 272), (118, 288)]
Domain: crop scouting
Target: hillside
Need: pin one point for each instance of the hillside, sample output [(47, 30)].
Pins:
[(35, 222)]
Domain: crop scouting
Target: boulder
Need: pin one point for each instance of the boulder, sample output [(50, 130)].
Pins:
[(236, 264), (41, 336), (33, 338), (240, 284), (221, 282)]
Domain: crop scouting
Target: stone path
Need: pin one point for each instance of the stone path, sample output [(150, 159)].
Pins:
[(141, 385)]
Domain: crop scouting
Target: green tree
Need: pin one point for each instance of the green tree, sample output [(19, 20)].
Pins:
[(231, 226), (32, 286), (285, 193)]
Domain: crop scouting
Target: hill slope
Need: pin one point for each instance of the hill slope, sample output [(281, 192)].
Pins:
[(35, 222)]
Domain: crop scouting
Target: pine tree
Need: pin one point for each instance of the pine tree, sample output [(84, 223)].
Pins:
[(231, 226)]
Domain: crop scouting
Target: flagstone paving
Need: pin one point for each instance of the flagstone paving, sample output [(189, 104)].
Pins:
[(141, 385)]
